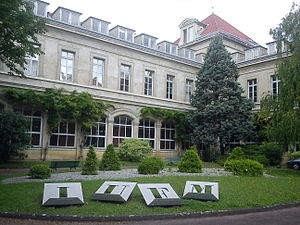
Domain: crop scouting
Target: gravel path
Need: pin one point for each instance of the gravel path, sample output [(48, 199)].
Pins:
[(121, 174)]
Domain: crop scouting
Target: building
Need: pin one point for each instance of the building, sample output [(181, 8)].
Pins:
[(129, 71)]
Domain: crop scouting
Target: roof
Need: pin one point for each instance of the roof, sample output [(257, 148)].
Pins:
[(216, 23)]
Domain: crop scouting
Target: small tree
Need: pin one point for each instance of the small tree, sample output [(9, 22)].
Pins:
[(90, 164), (134, 150), (13, 136), (222, 113), (190, 162), (110, 160)]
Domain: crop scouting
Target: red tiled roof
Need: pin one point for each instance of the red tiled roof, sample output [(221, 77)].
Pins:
[(215, 23)]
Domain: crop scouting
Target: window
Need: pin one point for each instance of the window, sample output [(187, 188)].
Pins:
[(35, 130), (148, 41), (188, 35), (40, 8), (67, 66), (125, 78), (252, 90), (148, 82), (170, 86), (189, 54), (96, 136), (69, 17), (189, 85), (99, 26), (31, 68), (167, 136), (122, 129), (98, 72), (275, 85), (147, 131), (64, 135), (171, 49), (125, 34)]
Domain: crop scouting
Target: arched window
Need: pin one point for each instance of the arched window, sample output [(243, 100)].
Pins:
[(122, 129), (167, 136), (97, 134), (147, 131)]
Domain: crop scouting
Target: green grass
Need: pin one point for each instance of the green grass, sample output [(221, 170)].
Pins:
[(235, 192)]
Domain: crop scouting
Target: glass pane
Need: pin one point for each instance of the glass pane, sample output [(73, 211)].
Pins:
[(162, 134), (147, 132), (162, 145), (87, 141), (102, 129), (122, 131), (62, 139), (94, 142), (53, 140), (71, 141), (140, 132), (115, 142), (35, 139), (95, 25), (71, 128), (101, 142), (36, 124), (94, 130), (128, 131), (63, 127), (152, 133), (116, 130), (122, 119), (152, 143), (172, 145)]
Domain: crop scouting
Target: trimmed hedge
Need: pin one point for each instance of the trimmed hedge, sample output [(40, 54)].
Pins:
[(190, 162), (151, 165), (244, 167), (110, 160), (39, 172), (134, 150)]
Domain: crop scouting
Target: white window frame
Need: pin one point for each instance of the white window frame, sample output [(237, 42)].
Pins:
[(71, 17), (189, 89), (125, 75), (38, 4), (190, 34), (29, 66), (146, 129), (102, 25), (148, 82), (171, 49), (170, 86), (128, 35), (189, 54), (66, 65), (275, 82), (58, 133), (119, 125), (252, 89), (98, 72), (90, 136), (170, 130)]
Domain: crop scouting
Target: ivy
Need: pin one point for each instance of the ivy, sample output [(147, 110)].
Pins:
[(175, 116), (57, 103)]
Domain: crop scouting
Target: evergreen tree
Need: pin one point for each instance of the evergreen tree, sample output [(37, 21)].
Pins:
[(284, 108), (110, 160), (90, 165), (222, 113)]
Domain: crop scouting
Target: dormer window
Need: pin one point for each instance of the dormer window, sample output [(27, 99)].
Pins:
[(188, 34), (67, 16), (40, 8), (189, 54), (149, 42), (122, 33), (171, 48), (99, 26), (145, 40)]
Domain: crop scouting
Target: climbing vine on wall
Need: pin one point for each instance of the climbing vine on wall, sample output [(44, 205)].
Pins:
[(178, 117), (57, 103)]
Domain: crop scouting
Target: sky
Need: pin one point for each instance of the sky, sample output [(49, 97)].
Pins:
[(160, 18)]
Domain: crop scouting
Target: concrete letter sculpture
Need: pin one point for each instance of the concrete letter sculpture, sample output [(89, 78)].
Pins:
[(168, 196), (190, 191), (52, 197), (120, 193)]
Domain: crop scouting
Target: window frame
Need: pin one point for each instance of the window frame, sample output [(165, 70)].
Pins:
[(170, 86), (148, 86), (171, 129), (91, 135), (252, 89), (67, 59), (189, 90), (29, 66), (94, 72), (58, 134), (149, 127), (275, 81), (118, 137), (122, 79)]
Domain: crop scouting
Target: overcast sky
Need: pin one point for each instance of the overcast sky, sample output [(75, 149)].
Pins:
[(160, 18)]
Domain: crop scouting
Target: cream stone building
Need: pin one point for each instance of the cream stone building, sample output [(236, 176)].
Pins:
[(129, 71)]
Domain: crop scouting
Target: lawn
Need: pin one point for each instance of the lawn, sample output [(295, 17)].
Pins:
[(235, 192)]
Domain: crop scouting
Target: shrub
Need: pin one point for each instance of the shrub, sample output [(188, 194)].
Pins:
[(134, 150), (236, 154), (244, 167), (254, 152), (39, 172), (273, 153), (151, 165), (110, 160), (90, 164), (294, 155), (190, 162)]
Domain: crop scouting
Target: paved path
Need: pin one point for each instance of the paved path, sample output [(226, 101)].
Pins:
[(289, 216)]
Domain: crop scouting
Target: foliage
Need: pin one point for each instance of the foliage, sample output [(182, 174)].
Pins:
[(294, 155), (190, 162), (134, 150), (90, 164), (237, 154), (254, 152), (244, 167), (110, 160), (284, 107), (13, 136), (39, 172), (222, 113), (180, 118), (19, 28), (211, 153), (151, 165), (262, 123), (273, 153)]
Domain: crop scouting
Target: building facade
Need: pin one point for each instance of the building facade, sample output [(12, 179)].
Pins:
[(130, 72)]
